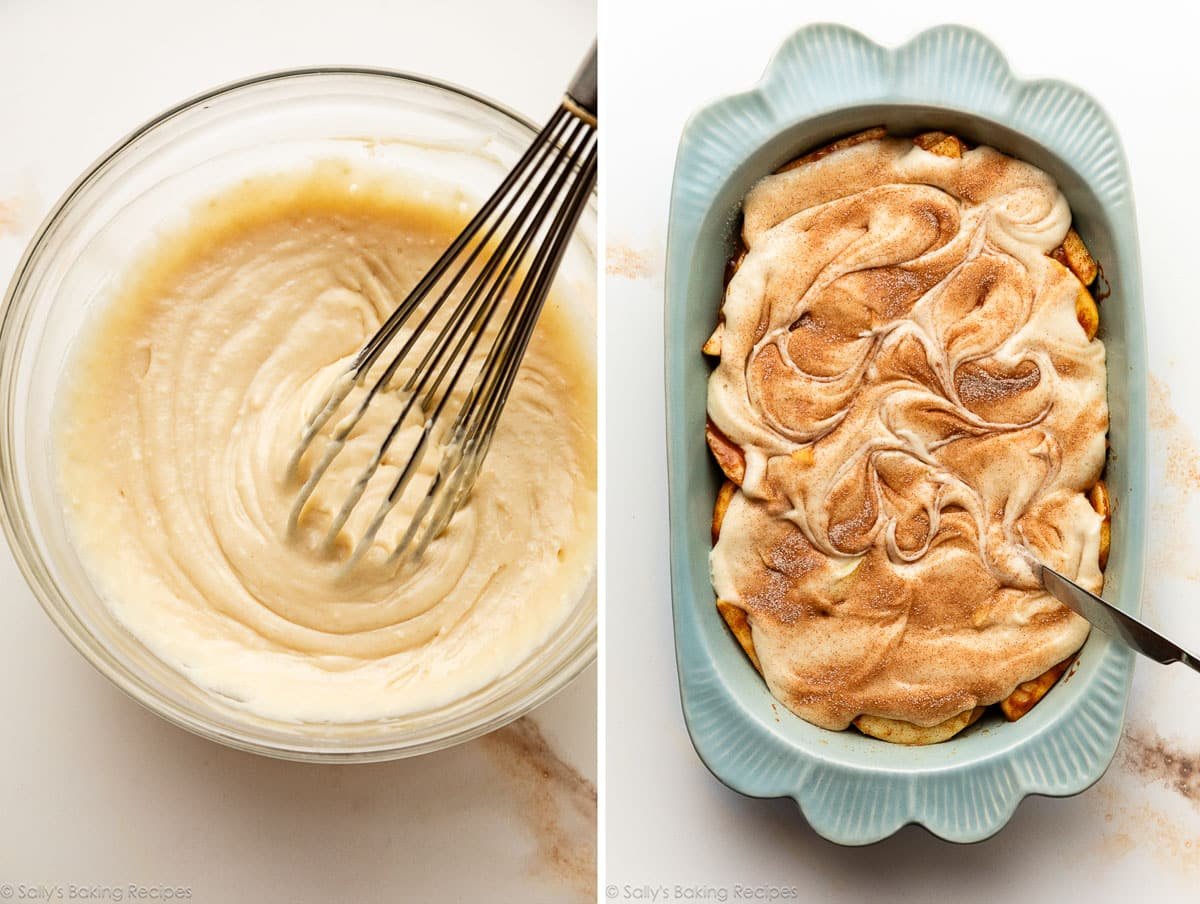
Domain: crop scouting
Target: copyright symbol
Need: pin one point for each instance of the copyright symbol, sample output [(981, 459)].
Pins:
[(6, 890), (610, 892)]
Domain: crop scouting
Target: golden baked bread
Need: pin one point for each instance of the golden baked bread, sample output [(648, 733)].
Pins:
[(896, 731), (1027, 694), (787, 558)]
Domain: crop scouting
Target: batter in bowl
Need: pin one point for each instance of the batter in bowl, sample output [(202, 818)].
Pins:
[(184, 400)]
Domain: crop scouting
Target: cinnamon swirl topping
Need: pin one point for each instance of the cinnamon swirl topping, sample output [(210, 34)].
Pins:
[(920, 413)]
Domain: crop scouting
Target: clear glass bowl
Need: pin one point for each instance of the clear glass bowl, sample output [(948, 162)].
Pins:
[(152, 177)]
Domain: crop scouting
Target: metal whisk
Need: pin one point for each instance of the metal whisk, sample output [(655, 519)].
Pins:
[(511, 250)]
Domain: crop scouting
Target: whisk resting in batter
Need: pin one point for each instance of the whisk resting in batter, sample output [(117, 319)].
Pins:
[(506, 257)]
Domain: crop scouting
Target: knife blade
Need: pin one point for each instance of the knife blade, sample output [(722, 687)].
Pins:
[(1116, 624)]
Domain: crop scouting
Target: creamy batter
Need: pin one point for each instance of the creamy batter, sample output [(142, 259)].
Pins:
[(185, 399), (920, 413)]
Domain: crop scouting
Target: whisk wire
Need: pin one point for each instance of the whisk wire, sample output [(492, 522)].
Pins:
[(437, 350), (511, 264), (396, 321), (468, 321), (383, 336), (371, 350), (533, 224), (538, 202), (471, 435)]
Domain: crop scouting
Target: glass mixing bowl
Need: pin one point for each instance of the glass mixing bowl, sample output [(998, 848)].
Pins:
[(151, 178)]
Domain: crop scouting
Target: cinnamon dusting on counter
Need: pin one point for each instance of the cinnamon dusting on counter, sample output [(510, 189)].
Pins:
[(1148, 755), (12, 216), (557, 803), (630, 263), (1183, 454), (1169, 551), (1128, 825)]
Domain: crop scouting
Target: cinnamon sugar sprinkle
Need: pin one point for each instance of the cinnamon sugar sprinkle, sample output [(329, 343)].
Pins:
[(1183, 454), (556, 802), (11, 216), (1170, 551), (1129, 824), (627, 262), (1148, 755)]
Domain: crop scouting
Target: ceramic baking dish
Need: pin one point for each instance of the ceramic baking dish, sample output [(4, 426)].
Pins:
[(828, 81)]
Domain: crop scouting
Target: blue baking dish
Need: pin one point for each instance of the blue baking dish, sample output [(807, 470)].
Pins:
[(827, 81)]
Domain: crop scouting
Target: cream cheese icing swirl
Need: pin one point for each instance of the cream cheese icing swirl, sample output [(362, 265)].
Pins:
[(181, 409), (920, 413)]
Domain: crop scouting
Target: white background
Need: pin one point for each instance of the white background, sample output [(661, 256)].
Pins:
[(668, 820), (95, 791)]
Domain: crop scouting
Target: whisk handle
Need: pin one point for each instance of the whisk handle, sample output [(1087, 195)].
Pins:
[(582, 90)]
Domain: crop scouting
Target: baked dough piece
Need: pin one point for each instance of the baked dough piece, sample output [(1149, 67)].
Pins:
[(896, 731)]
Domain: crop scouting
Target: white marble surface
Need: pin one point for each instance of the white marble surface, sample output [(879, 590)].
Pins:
[(1136, 835), (98, 793)]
